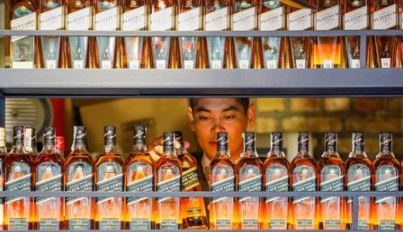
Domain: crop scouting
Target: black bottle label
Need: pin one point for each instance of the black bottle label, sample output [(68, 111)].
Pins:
[(190, 179)]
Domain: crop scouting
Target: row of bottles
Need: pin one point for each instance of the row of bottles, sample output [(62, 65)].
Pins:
[(189, 52)]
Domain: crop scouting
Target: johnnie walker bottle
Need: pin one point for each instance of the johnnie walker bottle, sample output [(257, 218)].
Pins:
[(169, 172), (221, 50), (272, 18), (300, 47), (189, 18), (78, 176), (359, 178), (18, 211), (109, 178), (384, 17), (51, 17), (277, 172), (244, 19), (79, 18), (192, 208), (136, 50), (30, 143), (331, 178), (3, 155), (106, 19), (161, 19), (356, 17), (23, 49), (140, 177), (328, 51), (303, 169), (386, 179), (49, 211), (250, 172), (223, 179)]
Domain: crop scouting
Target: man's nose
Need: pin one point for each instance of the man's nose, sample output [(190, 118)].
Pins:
[(218, 126)]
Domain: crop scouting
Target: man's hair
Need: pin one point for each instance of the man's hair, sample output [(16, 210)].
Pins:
[(245, 102)]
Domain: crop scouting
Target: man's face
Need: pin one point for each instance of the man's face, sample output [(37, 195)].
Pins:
[(212, 115)]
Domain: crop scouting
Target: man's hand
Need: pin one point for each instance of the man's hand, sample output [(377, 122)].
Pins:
[(156, 147)]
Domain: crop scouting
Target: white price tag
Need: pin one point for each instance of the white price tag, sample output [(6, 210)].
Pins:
[(106, 64), (51, 64), (160, 64), (216, 64), (355, 63), (134, 64), (385, 62), (244, 64), (271, 64), (189, 64), (78, 64), (328, 64), (300, 64), (25, 64)]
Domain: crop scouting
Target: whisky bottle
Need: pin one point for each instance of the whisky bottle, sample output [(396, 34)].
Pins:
[(161, 19), (244, 19), (78, 176), (383, 17), (189, 19), (18, 211), (79, 18), (169, 172), (49, 178), (387, 179), (300, 47), (30, 145), (359, 173), (59, 146), (23, 49), (355, 18), (303, 168), (134, 18), (192, 208), (328, 51), (250, 170), (277, 172), (223, 179), (272, 18), (109, 178), (331, 178), (221, 50), (106, 19), (3, 155), (140, 173)]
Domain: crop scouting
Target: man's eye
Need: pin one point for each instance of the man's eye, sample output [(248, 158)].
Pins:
[(229, 117), (204, 118)]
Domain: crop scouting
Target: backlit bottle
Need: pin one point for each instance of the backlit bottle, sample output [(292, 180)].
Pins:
[(3, 155)]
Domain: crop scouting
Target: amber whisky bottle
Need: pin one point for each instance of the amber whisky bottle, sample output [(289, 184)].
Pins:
[(3, 155), (30, 143)]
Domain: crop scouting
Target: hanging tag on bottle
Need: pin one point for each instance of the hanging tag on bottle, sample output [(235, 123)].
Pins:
[(78, 64), (271, 64), (216, 64), (355, 63), (300, 64), (244, 64), (51, 64), (385, 62), (106, 64), (134, 64), (328, 64), (189, 64), (160, 64)]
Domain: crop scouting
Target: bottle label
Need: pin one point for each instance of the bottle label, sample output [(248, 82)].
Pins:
[(79, 20), (387, 180), (305, 222), (356, 19), (304, 181), (134, 20), (385, 62), (223, 224), (190, 179), (359, 179), (385, 18), (301, 64), (110, 176), (276, 223), (189, 20), (216, 64), (332, 180), (107, 20), (109, 224), (272, 20), (142, 185), (171, 185), (52, 19), (140, 224), (51, 64), (189, 64), (193, 212), (224, 185), (80, 180), (78, 64), (401, 20), (18, 224), (328, 64), (217, 20), (250, 180), (387, 225), (299, 20), (106, 64), (271, 64), (49, 176), (162, 20), (27, 22), (19, 179), (355, 63), (244, 20), (49, 224), (161, 64), (327, 19), (278, 180), (169, 224), (250, 224), (244, 64), (79, 224), (134, 64)]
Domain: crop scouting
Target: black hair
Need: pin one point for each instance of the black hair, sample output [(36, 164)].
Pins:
[(245, 102)]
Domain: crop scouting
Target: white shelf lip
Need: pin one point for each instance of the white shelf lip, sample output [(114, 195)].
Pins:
[(203, 33)]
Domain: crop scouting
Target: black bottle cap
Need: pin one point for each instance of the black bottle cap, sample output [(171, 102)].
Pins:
[(386, 141), (303, 141), (249, 140), (80, 135), (49, 135), (139, 133), (358, 141), (109, 134), (331, 141), (222, 139), (168, 140), (18, 134), (276, 140)]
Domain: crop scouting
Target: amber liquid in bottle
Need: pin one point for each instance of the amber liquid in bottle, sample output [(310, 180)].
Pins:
[(277, 173), (275, 49), (223, 178), (107, 19), (23, 50), (193, 211), (79, 213), (3, 155), (79, 17), (300, 47), (18, 211), (136, 51), (386, 179), (328, 51), (221, 50), (303, 168), (49, 211), (140, 173), (109, 178), (359, 178), (331, 175), (169, 172), (384, 17)]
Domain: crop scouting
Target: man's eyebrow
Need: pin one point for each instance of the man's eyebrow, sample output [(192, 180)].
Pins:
[(202, 109), (229, 108)]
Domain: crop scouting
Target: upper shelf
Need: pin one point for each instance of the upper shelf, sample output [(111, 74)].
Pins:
[(148, 83)]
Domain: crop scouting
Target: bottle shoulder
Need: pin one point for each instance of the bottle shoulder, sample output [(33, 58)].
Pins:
[(79, 157), (222, 161), (276, 160), (382, 161), (103, 158), (303, 160), (139, 157), (243, 161), (351, 161), (331, 161), (49, 157)]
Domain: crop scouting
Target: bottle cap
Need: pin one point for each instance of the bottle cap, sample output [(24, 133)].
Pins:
[(49, 134), (276, 140), (139, 133), (110, 134), (2, 137), (331, 141)]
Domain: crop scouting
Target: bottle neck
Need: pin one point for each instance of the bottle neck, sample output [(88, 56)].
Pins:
[(168, 151), (110, 148), (48, 148), (79, 147), (249, 151), (223, 151), (18, 147), (275, 152), (139, 146)]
